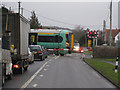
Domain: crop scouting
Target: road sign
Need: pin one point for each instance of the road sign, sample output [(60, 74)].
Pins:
[(89, 43)]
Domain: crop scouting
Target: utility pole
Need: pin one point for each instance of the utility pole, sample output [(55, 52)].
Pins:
[(104, 30), (19, 7), (110, 22), (21, 11), (96, 42), (10, 8)]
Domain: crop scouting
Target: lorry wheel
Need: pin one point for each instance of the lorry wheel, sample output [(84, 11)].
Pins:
[(10, 76), (61, 54), (3, 80), (21, 70)]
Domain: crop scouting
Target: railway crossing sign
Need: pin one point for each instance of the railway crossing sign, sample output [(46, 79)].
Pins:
[(93, 33)]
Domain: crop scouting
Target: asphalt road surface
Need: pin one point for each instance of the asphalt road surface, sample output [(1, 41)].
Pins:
[(67, 71)]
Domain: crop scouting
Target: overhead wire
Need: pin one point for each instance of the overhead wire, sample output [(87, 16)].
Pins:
[(51, 19)]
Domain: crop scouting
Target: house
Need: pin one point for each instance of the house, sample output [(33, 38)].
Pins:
[(113, 33), (117, 37)]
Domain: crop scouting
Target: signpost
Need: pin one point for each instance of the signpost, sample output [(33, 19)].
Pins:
[(89, 43)]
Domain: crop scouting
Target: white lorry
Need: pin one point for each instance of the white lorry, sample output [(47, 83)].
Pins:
[(15, 57)]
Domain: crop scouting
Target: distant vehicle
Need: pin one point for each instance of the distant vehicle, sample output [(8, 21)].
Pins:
[(39, 54), (77, 48), (31, 56), (59, 41), (104, 44), (45, 51)]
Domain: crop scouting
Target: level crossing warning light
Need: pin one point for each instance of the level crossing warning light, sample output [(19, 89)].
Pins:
[(93, 34)]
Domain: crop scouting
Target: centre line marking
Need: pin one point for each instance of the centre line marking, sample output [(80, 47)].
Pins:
[(47, 65), (45, 69), (28, 82), (57, 57), (41, 75), (35, 85)]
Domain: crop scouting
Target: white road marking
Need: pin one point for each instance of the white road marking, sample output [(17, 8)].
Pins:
[(35, 85), (57, 57), (47, 65), (45, 69), (41, 75), (28, 82)]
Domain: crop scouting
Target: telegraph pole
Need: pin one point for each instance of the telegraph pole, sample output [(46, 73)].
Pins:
[(110, 22), (21, 11), (19, 7), (104, 30)]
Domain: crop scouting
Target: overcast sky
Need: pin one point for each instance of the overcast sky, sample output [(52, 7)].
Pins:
[(87, 14)]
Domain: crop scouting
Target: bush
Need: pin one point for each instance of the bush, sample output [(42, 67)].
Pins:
[(104, 52)]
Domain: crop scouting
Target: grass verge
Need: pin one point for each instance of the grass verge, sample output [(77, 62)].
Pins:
[(90, 52), (106, 69)]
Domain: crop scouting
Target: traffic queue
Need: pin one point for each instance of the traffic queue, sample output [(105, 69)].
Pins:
[(22, 46)]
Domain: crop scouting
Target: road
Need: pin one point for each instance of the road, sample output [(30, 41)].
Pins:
[(67, 71)]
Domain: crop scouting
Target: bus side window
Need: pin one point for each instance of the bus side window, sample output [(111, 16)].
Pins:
[(60, 39)]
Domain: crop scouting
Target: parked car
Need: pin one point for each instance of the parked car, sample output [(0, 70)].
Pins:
[(39, 54), (31, 56), (77, 48)]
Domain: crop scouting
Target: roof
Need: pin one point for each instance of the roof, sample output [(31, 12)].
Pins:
[(114, 32), (117, 34), (48, 31)]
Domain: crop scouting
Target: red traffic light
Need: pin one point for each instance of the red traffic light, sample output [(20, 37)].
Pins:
[(90, 32)]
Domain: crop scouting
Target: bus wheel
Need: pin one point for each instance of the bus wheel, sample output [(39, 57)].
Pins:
[(61, 54), (69, 52), (57, 54)]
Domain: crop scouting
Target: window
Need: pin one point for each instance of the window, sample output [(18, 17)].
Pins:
[(50, 39), (5, 42)]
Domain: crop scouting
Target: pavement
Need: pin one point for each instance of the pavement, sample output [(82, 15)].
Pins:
[(67, 71), (110, 63)]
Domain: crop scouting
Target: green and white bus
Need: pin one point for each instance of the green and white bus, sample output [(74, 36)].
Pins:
[(56, 40)]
